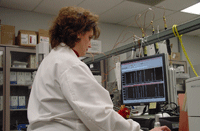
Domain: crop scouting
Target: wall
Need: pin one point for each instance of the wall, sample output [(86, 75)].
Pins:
[(192, 47), (24, 20)]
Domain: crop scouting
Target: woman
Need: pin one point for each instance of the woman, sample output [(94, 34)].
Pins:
[(65, 95)]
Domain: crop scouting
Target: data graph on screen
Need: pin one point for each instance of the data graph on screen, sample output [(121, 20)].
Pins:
[(144, 80)]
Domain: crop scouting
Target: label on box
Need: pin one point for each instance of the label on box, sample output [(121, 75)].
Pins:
[(95, 46), (44, 39), (13, 102), (24, 39), (32, 39), (22, 102)]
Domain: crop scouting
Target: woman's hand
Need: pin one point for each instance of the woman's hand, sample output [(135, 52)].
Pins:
[(162, 128)]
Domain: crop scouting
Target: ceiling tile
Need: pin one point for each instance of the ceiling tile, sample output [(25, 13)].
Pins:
[(53, 6), (177, 5), (122, 11), (99, 6), (28, 5), (152, 13)]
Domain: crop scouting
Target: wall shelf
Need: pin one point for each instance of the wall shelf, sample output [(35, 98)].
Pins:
[(23, 69)]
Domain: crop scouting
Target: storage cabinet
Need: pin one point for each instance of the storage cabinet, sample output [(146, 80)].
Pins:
[(18, 79), (98, 69), (178, 63), (16, 91), (2, 86), (181, 74)]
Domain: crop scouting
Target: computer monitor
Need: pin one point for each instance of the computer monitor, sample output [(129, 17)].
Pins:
[(144, 80)]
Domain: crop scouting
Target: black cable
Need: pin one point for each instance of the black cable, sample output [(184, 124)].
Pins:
[(173, 111), (144, 110), (167, 40)]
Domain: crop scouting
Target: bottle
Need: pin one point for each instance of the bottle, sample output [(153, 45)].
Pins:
[(157, 123)]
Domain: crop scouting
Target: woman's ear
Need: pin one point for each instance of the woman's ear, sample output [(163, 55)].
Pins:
[(79, 35)]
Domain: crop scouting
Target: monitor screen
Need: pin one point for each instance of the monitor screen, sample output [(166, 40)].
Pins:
[(143, 80)]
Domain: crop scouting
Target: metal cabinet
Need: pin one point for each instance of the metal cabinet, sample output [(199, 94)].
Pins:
[(16, 93), (98, 68), (2, 87)]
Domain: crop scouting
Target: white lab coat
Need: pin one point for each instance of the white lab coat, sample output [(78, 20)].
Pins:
[(65, 96)]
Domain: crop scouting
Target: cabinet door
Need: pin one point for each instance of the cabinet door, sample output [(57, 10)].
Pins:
[(2, 85), (21, 65)]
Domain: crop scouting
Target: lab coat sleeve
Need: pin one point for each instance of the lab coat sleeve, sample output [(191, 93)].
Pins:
[(91, 102)]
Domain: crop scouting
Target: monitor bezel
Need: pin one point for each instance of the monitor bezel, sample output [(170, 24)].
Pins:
[(165, 79)]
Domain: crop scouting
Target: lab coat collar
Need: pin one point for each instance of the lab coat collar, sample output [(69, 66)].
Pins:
[(66, 46)]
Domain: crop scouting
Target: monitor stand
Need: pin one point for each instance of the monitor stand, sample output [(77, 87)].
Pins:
[(154, 110)]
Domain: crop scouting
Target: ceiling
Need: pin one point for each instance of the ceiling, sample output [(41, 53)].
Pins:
[(122, 12)]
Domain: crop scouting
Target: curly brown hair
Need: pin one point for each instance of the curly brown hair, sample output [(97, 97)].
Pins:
[(71, 22)]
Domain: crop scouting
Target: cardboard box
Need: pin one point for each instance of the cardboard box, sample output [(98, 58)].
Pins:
[(43, 36), (27, 38), (175, 56), (7, 34)]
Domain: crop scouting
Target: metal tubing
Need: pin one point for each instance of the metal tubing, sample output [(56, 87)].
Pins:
[(182, 29)]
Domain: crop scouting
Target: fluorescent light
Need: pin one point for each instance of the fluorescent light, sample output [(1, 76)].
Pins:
[(194, 9)]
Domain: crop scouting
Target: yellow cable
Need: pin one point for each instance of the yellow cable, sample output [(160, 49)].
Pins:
[(175, 31)]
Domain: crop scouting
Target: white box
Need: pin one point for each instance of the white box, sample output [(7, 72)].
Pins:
[(22, 102), (193, 97), (13, 77), (27, 78), (1, 77), (32, 61), (33, 75), (194, 123), (1, 103), (14, 102), (98, 78), (95, 46), (20, 78), (1, 58), (19, 64)]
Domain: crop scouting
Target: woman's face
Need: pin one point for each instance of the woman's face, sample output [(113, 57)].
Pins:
[(82, 46)]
